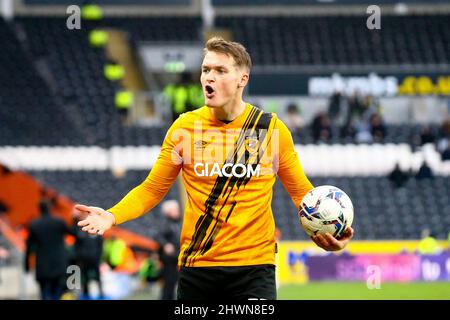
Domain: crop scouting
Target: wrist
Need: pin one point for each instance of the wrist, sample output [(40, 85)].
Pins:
[(113, 218)]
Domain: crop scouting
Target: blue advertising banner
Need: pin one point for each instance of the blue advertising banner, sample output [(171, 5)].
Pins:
[(391, 267), (435, 268)]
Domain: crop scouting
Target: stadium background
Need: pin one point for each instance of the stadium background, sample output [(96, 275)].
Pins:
[(64, 93)]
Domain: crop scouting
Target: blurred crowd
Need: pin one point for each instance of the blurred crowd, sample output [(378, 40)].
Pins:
[(67, 263), (356, 117), (440, 137), (400, 177), (359, 119)]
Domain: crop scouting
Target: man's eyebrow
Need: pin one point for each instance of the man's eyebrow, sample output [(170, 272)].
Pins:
[(215, 67)]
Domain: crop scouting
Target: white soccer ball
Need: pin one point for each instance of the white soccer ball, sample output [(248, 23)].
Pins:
[(326, 209)]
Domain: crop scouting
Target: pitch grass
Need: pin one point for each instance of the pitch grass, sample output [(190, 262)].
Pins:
[(359, 291)]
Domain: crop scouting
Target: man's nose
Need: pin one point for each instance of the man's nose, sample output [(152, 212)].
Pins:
[(210, 77)]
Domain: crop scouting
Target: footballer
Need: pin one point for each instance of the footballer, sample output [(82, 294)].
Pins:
[(229, 153)]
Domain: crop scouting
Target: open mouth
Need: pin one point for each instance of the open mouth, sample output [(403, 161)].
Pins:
[(209, 91)]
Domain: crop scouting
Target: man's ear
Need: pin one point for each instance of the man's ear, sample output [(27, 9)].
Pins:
[(244, 80)]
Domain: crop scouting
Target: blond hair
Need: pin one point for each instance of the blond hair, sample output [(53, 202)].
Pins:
[(234, 49)]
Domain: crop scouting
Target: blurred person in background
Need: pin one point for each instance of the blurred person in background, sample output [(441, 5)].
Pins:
[(363, 132), (335, 107), (4, 253), (377, 127), (428, 243), (445, 155), (443, 140), (195, 93), (4, 256), (46, 240), (398, 177), (293, 118), (177, 94), (88, 251), (424, 172), (356, 106), (448, 241), (321, 128), (168, 238), (114, 251), (426, 135), (348, 130), (150, 269)]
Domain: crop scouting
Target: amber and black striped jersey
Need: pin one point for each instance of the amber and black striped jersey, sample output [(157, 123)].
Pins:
[(228, 170)]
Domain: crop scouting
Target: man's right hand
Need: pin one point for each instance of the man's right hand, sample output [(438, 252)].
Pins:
[(96, 220)]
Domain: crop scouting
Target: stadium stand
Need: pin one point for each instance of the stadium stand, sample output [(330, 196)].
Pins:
[(340, 40), (381, 211), (101, 188), (28, 106), (78, 101), (87, 97), (395, 133), (85, 91)]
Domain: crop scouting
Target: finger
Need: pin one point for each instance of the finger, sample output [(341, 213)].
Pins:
[(314, 238), (322, 240), (87, 228), (333, 241), (349, 232), (317, 241), (83, 223), (92, 230), (101, 232), (82, 207)]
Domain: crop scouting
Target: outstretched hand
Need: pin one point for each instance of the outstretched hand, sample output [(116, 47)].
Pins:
[(330, 243), (96, 220)]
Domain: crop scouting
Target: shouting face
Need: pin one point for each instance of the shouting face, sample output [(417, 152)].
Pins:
[(222, 80)]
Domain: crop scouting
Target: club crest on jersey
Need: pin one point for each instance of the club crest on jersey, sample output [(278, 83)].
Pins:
[(251, 144), (200, 144)]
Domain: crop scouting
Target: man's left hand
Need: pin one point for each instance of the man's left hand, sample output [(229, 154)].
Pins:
[(330, 243)]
